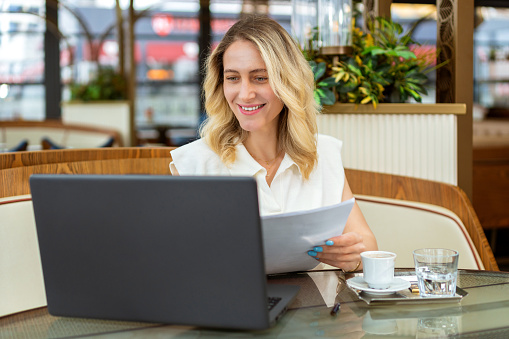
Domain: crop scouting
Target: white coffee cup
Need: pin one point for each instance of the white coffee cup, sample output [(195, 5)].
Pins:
[(378, 268)]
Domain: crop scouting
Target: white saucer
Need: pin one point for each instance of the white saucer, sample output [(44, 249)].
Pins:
[(397, 284)]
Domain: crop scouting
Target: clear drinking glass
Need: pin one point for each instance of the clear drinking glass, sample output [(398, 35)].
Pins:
[(437, 271)]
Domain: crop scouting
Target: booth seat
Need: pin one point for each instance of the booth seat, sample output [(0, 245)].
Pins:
[(21, 281), (399, 227), (400, 221), (57, 133)]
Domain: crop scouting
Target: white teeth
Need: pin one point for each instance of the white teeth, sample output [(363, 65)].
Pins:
[(251, 108)]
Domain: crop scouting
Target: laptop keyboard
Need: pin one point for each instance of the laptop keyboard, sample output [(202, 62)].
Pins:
[(273, 302)]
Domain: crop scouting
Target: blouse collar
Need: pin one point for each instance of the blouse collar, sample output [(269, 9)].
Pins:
[(245, 165)]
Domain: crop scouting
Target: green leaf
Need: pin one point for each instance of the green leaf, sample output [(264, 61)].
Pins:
[(329, 98), (348, 87), (317, 97), (418, 77), (402, 48), (328, 82), (406, 55), (379, 51), (415, 95), (413, 86), (372, 50), (320, 70), (355, 69)]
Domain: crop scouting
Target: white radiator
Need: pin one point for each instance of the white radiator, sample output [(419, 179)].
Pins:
[(417, 145)]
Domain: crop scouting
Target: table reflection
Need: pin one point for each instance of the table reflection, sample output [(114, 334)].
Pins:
[(482, 313), (437, 327)]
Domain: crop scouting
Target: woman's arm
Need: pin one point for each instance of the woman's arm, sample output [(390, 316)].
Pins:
[(344, 251)]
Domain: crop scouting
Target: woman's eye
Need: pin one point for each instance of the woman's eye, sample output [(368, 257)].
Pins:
[(261, 79), (232, 78)]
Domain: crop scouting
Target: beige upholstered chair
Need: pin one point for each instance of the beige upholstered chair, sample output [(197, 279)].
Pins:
[(408, 213), (402, 226)]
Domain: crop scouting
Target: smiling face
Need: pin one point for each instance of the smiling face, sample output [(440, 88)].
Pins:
[(246, 88)]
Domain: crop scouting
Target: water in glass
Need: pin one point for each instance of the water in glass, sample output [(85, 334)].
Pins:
[(436, 282)]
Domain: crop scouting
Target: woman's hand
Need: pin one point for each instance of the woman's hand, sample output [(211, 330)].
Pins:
[(343, 251)]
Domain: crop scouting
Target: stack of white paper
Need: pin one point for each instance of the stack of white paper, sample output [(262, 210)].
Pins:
[(288, 237)]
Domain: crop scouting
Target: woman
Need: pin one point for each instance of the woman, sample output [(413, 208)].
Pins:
[(261, 122)]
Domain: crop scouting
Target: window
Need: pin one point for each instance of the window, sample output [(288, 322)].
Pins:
[(21, 60)]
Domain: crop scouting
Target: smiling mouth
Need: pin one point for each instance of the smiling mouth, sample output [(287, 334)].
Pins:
[(250, 109)]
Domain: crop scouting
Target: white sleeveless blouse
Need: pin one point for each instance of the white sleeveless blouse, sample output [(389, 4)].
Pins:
[(288, 191)]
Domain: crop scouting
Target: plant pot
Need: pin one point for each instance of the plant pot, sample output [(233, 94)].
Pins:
[(107, 114)]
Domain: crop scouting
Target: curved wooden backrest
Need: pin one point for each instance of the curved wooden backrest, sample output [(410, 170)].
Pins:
[(425, 191), (16, 168)]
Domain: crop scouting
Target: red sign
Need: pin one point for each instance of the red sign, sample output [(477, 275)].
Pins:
[(165, 24), (162, 24)]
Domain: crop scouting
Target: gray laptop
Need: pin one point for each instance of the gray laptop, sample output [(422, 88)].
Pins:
[(177, 250)]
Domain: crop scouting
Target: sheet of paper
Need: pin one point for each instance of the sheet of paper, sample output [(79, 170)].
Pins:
[(288, 237), (327, 285)]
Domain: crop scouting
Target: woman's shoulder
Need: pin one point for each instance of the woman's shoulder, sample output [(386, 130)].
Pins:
[(196, 158), (330, 164), (194, 146), (327, 143)]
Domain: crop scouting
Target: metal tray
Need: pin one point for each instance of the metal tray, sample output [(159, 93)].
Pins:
[(406, 296)]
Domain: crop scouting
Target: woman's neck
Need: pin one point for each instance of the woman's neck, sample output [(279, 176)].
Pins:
[(267, 153), (262, 147)]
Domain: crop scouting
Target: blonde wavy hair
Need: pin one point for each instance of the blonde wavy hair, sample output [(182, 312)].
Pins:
[(291, 79)]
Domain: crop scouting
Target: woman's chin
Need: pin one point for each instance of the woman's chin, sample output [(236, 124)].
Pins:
[(250, 127)]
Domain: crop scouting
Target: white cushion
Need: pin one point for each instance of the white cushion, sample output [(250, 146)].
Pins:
[(403, 226), (21, 280)]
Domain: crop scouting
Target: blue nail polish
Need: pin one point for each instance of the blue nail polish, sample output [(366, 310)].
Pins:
[(318, 249), (329, 243), (312, 253), (317, 258)]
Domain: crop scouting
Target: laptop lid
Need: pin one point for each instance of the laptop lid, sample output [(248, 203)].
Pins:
[(180, 250)]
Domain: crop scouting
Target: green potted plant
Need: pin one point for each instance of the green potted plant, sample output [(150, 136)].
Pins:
[(382, 68), (108, 84)]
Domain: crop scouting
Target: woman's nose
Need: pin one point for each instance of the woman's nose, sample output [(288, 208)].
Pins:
[(247, 91)]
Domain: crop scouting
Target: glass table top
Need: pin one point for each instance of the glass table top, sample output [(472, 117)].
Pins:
[(482, 312)]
